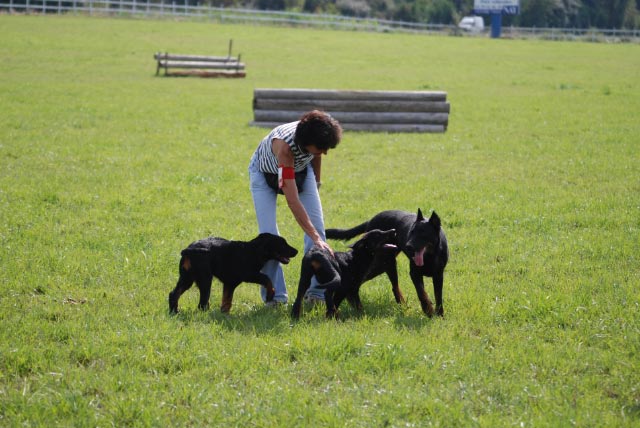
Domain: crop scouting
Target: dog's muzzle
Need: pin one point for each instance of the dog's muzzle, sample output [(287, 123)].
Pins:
[(284, 260)]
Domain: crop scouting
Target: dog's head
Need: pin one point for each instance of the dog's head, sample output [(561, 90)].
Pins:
[(274, 247), (424, 238), (376, 241)]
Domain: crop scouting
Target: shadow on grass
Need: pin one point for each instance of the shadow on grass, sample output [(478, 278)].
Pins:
[(246, 319), (259, 319), (404, 316)]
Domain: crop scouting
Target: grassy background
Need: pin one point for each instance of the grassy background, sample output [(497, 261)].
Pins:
[(108, 172)]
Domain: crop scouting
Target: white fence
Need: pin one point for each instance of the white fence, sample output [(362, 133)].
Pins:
[(228, 15)]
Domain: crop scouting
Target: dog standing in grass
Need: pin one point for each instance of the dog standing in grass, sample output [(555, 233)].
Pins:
[(232, 262), (341, 274), (422, 240)]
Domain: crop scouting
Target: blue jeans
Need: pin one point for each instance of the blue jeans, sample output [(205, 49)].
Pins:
[(264, 202)]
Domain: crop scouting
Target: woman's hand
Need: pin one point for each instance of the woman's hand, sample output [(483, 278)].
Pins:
[(322, 244)]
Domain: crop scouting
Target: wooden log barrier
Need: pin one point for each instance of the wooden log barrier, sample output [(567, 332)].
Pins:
[(200, 65), (375, 111)]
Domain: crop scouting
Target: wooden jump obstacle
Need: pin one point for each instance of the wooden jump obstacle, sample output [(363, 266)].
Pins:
[(375, 111), (200, 65)]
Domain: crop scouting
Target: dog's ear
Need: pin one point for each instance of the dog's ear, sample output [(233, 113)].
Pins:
[(360, 243), (435, 220), (420, 216), (262, 240)]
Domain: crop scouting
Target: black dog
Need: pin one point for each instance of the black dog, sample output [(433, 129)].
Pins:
[(423, 242), (232, 262), (342, 274)]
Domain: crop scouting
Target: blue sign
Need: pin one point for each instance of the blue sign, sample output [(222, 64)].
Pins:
[(490, 7)]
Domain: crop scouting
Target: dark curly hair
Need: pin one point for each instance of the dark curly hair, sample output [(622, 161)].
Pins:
[(317, 128)]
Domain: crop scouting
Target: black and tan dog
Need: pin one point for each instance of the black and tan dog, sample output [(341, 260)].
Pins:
[(342, 273), (232, 262), (423, 242)]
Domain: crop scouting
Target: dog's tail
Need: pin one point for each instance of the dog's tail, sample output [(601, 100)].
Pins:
[(187, 255), (194, 252), (344, 234)]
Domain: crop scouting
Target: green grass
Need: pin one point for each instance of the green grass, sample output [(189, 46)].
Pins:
[(108, 172)]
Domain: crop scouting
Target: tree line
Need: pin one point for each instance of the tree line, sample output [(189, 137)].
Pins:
[(607, 14)]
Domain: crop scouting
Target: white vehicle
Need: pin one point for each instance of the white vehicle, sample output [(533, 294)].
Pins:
[(472, 24)]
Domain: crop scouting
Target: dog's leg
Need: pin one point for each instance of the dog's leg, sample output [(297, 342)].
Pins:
[(183, 285), (227, 297), (340, 294), (332, 290), (354, 300), (303, 285), (392, 274), (265, 281), (271, 292), (332, 309), (438, 281), (416, 277), (204, 285), (333, 294), (185, 281)]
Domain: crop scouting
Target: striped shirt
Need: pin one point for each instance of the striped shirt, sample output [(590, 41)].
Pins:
[(267, 161)]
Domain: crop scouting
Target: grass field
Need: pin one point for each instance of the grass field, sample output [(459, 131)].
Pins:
[(108, 172)]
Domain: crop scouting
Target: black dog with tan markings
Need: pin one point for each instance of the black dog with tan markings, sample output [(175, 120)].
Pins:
[(423, 242), (232, 262), (342, 273)]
